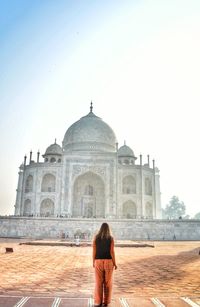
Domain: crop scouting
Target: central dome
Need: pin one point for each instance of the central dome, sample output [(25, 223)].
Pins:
[(90, 133)]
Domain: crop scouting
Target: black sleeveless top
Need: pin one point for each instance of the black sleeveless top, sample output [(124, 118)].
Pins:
[(103, 248)]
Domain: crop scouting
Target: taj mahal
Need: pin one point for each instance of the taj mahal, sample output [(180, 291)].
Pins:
[(89, 180), (88, 177)]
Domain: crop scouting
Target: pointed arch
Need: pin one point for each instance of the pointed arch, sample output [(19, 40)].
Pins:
[(47, 207), (52, 160), (29, 184), (129, 210), (129, 185), (48, 183)]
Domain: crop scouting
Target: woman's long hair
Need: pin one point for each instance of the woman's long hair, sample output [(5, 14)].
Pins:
[(104, 232)]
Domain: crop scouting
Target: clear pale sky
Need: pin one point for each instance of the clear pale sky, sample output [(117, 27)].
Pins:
[(138, 61)]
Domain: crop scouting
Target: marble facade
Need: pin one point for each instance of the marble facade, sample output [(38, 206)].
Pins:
[(89, 177)]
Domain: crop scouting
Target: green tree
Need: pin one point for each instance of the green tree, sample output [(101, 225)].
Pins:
[(197, 216), (175, 209)]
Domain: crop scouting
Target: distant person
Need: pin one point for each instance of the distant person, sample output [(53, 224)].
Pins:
[(77, 241), (104, 262)]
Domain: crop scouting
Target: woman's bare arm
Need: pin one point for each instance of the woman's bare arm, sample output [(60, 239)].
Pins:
[(93, 251), (112, 252)]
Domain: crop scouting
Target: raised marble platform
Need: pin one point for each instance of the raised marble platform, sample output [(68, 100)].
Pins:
[(123, 229)]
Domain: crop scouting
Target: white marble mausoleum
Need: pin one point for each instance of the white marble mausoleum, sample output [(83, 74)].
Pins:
[(89, 177)]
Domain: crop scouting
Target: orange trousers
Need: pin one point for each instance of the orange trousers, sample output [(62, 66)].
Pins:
[(103, 281)]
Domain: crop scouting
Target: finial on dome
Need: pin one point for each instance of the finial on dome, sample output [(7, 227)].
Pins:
[(55, 141), (124, 142), (91, 107)]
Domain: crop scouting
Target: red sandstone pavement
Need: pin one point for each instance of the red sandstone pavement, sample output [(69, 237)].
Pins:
[(166, 273)]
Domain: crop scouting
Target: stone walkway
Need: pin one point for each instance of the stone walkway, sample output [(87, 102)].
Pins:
[(48, 301), (166, 275)]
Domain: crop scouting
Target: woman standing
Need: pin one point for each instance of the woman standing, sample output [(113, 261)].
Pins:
[(103, 262)]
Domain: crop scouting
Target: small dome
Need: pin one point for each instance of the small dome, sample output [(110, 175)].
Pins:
[(54, 149), (90, 133), (125, 151)]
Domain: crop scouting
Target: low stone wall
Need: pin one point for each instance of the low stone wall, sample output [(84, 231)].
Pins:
[(127, 229)]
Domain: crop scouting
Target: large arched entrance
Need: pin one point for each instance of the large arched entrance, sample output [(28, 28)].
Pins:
[(88, 196)]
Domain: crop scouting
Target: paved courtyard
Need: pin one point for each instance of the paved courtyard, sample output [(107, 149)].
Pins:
[(165, 273)]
